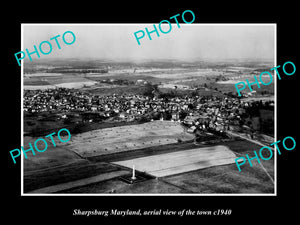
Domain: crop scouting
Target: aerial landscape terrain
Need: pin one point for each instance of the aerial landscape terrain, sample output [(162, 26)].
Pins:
[(180, 124)]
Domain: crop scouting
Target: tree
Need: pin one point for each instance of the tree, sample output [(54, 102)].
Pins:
[(182, 115), (190, 106), (150, 89), (194, 94), (144, 118)]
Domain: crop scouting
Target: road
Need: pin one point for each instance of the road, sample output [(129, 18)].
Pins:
[(248, 139)]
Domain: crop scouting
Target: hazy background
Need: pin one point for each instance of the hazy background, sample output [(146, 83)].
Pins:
[(189, 42)]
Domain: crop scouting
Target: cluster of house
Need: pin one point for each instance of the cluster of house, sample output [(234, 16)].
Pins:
[(196, 112)]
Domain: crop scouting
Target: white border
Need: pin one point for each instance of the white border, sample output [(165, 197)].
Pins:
[(275, 110), (22, 113), (171, 194)]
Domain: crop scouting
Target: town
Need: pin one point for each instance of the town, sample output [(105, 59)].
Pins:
[(196, 113)]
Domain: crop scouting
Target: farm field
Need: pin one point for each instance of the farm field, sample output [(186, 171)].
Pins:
[(221, 179), (52, 157), (43, 81), (126, 138), (219, 79), (63, 171), (167, 164)]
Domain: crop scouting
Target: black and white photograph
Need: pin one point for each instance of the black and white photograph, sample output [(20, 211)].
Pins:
[(161, 116), (137, 113)]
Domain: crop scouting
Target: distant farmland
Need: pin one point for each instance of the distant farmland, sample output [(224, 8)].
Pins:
[(44, 82)]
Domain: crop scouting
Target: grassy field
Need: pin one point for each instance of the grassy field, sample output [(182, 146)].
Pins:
[(59, 165), (219, 179), (126, 138), (162, 165), (63, 174), (129, 76), (35, 126)]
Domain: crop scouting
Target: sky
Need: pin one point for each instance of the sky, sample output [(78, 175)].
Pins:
[(189, 42)]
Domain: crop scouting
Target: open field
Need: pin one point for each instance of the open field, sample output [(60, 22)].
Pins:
[(166, 74), (107, 175), (126, 138), (103, 176), (47, 81), (167, 164), (229, 87), (75, 85), (220, 179), (70, 176), (187, 74), (52, 157)]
